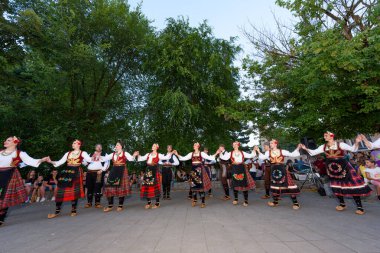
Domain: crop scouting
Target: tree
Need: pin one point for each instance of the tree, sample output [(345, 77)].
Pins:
[(322, 74)]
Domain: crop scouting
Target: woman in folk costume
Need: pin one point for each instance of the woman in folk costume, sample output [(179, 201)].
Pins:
[(12, 189), (344, 180), (151, 183), (281, 180), (117, 184), (199, 180), (70, 179), (241, 179)]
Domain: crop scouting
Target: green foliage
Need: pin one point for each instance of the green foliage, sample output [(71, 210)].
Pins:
[(327, 78)]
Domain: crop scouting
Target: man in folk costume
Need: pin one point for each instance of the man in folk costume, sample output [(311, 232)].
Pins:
[(225, 170), (167, 171), (151, 185), (281, 180), (95, 177), (12, 189), (199, 180), (266, 167), (208, 164), (241, 179), (344, 180), (117, 184), (70, 179)]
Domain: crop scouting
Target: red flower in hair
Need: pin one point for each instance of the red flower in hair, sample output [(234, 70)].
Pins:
[(16, 140)]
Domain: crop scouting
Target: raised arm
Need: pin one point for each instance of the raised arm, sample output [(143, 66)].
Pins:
[(129, 157), (142, 158), (61, 161), (295, 153), (186, 157), (29, 160), (249, 155), (314, 152), (106, 158), (264, 156), (225, 156), (86, 157), (176, 161), (208, 157), (347, 147), (164, 157)]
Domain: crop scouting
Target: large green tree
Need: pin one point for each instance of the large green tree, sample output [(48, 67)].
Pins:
[(321, 74)]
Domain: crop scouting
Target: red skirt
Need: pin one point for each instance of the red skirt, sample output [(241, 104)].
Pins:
[(74, 192), (119, 191), (151, 186), (15, 193)]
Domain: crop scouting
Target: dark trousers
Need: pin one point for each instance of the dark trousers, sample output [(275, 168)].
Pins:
[(167, 176), (58, 206), (224, 179), (121, 201), (267, 179), (94, 183)]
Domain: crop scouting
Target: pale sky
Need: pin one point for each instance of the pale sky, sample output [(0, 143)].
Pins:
[(226, 17)]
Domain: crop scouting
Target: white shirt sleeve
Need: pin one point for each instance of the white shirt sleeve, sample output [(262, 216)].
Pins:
[(142, 158), (375, 144), (295, 153), (86, 157), (347, 147), (208, 157), (225, 156), (106, 165), (317, 151), (176, 162), (186, 157), (264, 156), (164, 157), (248, 155), (29, 160), (106, 158), (129, 157), (61, 161)]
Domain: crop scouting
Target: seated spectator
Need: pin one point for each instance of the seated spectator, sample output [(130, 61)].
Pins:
[(373, 175), (320, 166), (50, 183), (375, 155), (29, 183), (39, 190)]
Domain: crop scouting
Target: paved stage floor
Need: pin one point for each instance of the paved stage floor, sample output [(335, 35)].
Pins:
[(178, 227)]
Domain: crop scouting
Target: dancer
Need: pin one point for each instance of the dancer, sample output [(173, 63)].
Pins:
[(151, 186), (12, 189), (370, 145), (117, 184), (267, 166), (70, 179), (95, 177), (344, 180), (168, 167), (281, 180), (199, 180), (208, 164), (225, 172), (241, 179)]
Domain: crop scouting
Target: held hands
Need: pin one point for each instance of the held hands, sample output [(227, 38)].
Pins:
[(48, 160), (136, 153)]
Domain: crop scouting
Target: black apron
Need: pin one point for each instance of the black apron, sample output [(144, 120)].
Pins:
[(66, 176), (116, 175), (5, 177)]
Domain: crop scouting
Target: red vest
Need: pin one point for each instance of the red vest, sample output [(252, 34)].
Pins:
[(74, 161), (16, 160), (196, 159), (120, 161), (155, 160), (233, 159), (339, 153), (276, 159)]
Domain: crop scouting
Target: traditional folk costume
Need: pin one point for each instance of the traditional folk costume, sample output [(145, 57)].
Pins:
[(167, 172), (209, 164), (151, 185), (281, 180), (12, 189), (199, 179), (344, 180), (226, 174), (70, 180), (241, 179), (95, 178), (117, 184)]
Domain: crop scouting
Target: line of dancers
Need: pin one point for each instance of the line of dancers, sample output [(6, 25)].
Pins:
[(344, 180)]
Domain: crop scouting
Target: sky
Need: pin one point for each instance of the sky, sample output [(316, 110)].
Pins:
[(226, 17)]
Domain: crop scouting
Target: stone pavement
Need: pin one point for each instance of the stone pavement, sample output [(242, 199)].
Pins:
[(177, 227)]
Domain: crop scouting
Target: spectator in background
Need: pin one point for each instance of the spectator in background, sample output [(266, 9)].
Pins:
[(375, 155), (373, 175), (39, 189), (50, 183), (320, 166), (29, 183)]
